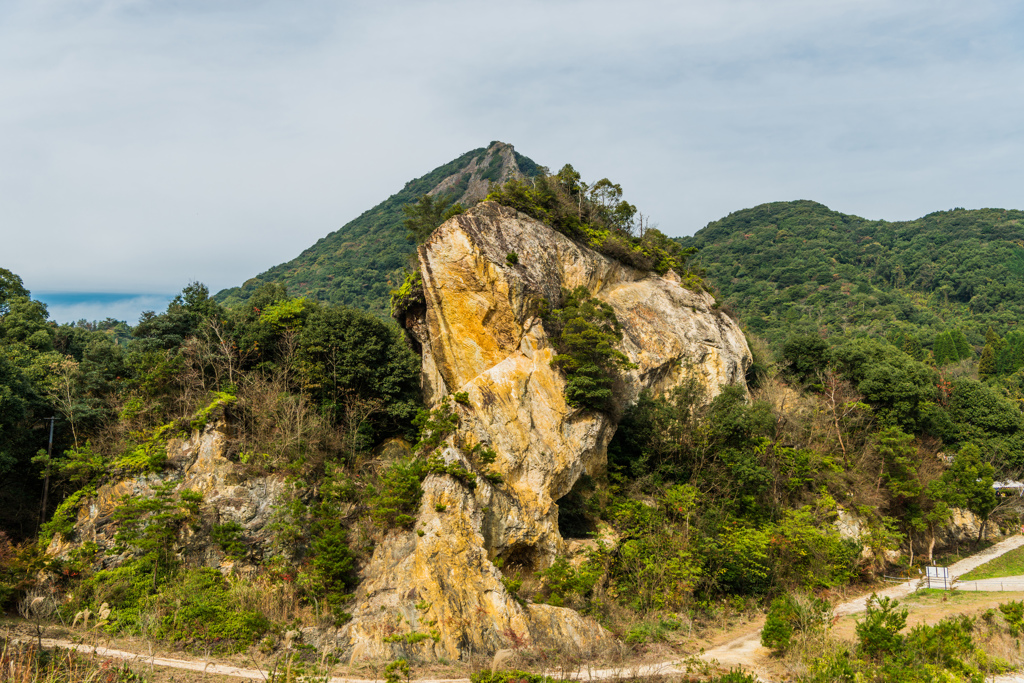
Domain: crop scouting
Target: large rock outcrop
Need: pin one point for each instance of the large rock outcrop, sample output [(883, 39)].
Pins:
[(479, 333)]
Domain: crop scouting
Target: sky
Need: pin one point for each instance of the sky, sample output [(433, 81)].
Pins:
[(145, 144)]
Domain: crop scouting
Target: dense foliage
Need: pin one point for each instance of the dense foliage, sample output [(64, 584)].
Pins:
[(308, 389), (790, 267), (891, 392), (428, 213)]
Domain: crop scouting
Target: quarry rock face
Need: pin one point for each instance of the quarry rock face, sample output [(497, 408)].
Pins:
[(480, 334), (197, 463), (963, 528)]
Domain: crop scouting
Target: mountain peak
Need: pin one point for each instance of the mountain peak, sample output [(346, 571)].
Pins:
[(358, 264)]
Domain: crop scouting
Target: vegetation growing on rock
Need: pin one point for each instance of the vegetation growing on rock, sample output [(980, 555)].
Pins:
[(584, 331), (599, 217)]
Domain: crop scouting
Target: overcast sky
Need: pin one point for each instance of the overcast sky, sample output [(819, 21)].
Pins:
[(147, 144)]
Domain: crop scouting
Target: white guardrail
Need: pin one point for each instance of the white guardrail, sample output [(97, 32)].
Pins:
[(938, 578)]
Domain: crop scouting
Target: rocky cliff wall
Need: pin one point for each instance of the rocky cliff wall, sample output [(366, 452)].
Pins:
[(480, 333)]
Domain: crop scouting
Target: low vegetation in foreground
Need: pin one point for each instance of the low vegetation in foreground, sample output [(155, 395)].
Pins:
[(26, 663), (956, 647)]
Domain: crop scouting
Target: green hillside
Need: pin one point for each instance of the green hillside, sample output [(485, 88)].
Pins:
[(359, 264), (799, 267)]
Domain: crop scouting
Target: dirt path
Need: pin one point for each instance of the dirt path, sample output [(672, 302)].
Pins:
[(745, 650)]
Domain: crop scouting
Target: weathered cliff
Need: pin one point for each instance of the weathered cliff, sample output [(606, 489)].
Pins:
[(480, 333)]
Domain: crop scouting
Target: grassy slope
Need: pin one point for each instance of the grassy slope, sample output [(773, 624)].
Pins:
[(799, 266), (1010, 564)]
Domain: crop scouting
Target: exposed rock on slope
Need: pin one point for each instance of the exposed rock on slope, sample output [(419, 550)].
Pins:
[(197, 463), (480, 334)]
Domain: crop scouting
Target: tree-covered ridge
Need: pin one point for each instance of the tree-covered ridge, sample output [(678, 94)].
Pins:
[(798, 266), (361, 262)]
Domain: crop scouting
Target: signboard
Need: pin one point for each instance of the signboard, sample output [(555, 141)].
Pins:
[(938, 575)]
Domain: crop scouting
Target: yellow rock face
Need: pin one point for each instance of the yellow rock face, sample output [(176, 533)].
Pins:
[(480, 335)]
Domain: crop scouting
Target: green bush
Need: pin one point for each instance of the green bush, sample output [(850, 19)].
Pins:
[(509, 676), (878, 632), (584, 331), (396, 498), (810, 554), (435, 425), (409, 295), (125, 589), (229, 537), (396, 671), (942, 644), (456, 470), (778, 627), (652, 631), (735, 676), (197, 606), (150, 524), (945, 651), (793, 614), (1013, 612), (566, 584), (64, 517)]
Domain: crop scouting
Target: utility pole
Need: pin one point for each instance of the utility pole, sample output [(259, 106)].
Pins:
[(46, 478)]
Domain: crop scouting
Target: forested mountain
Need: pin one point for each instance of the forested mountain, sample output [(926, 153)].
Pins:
[(790, 267), (358, 264)]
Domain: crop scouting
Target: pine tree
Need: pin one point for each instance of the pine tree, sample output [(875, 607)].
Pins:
[(987, 364), (963, 349), (944, 349), (1018, 356), (992, 339)]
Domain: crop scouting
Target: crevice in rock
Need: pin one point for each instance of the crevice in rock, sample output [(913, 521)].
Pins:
[(520, 557), (574, 520)]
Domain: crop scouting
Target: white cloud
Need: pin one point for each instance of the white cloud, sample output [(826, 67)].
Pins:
[(147, 144), (64, 309)]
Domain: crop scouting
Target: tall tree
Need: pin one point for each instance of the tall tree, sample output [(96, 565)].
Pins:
[(427, 214), (10, 287), (944, 349), (969, 480), (963, 349), (987, 364)]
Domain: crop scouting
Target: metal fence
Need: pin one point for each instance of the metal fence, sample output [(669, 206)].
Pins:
[(1011, 584), (989, 585)]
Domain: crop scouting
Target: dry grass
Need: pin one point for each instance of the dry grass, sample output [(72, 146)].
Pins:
[(20, 663), (279, 601)]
